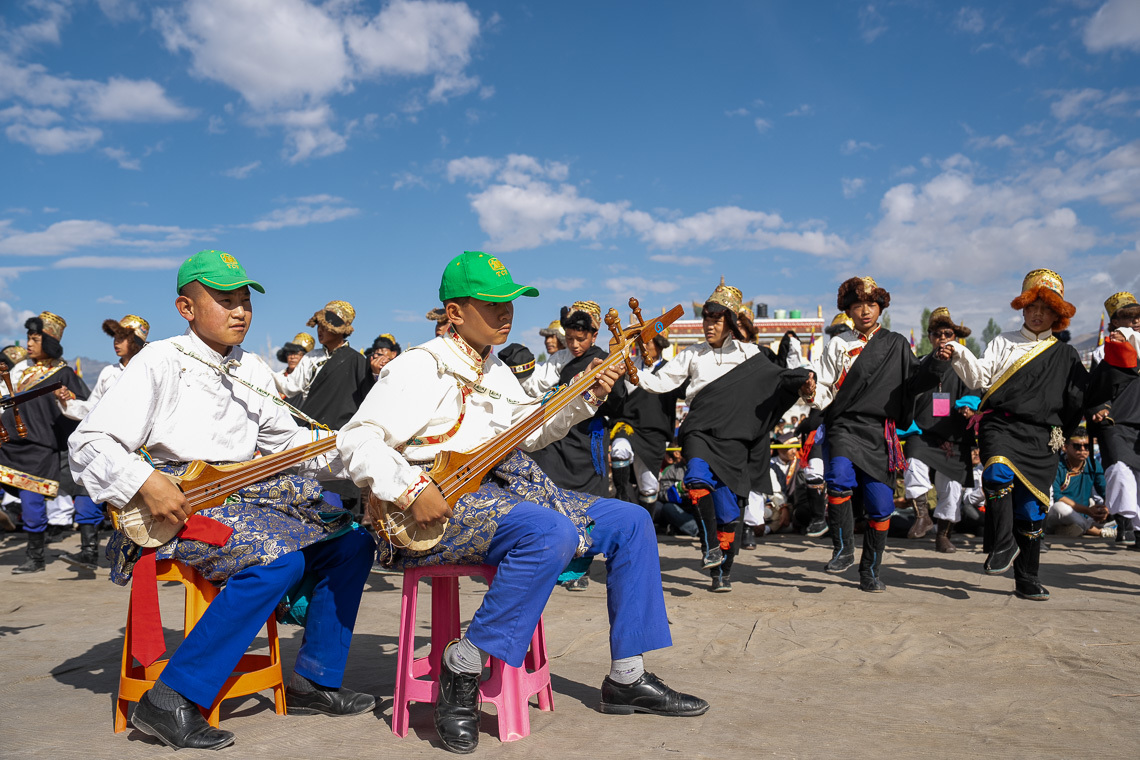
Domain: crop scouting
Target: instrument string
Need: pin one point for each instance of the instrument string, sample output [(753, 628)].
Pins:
[(266, 465)]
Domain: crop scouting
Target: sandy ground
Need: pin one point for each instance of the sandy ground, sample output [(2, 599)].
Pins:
[(796, 663)]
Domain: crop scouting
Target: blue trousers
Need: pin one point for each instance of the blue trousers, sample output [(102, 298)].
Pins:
[(698, 474), (203, 662), (33, 506), (87, 512), (1025, 504), (531, 546), (841, 474)]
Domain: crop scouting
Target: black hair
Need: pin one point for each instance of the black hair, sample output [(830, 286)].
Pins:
[(661, 342), (51, 346), (385, 342), (577, 320), (712, 309)]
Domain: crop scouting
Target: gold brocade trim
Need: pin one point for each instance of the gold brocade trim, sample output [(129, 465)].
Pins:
[(1030, 356), (1042, 499), (38, 372), (26, 482)]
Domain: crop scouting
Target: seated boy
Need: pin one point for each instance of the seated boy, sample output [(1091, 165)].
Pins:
[(453, 394), (174, 405)]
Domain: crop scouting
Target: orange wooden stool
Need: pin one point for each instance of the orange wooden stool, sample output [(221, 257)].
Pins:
[(254, 673)]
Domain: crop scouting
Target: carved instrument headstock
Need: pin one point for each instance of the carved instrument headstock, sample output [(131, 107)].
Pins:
[(613, 321), (13, 400)]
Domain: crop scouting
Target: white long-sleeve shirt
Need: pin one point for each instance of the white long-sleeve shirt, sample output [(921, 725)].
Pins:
[(1001, 354), (419, 395), (77, 409), (700, 365), (180, 410), (299, 380), (545, 375), (839, 356)]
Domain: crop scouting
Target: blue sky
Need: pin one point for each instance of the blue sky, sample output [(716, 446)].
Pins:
[(348, 149)]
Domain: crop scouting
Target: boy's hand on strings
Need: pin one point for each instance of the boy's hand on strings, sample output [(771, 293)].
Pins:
[(429, 507), (605, 381), (164, 499)]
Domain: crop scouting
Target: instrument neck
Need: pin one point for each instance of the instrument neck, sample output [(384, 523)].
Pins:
[(257, 469)]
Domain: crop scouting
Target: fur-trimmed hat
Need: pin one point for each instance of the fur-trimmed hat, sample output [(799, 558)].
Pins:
[(437, 315), (128, 325), (858, 289), (940, 318), (839, 324), (589, 316), (553, 330), (519, 359), (336, 317), (1046, 285), (50, 329)]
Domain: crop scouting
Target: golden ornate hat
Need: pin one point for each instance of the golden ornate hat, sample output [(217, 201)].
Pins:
[(589, 307), (840, 323), (15, 354), (1118, 301), (554, 329), (940, 317), (53, 324), (1043, 278), (131, 324), (1046, 285), (727, 296), (746, 313), (305, 341), (336, 317)]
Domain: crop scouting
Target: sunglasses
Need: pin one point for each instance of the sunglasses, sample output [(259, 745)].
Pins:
[(1080, 446), (941, 333)]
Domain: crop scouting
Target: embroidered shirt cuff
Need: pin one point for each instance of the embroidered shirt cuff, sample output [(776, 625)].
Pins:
[(592, 400), (404, 500)]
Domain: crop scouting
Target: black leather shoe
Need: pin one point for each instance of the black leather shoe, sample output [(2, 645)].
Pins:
[(339, 702), (181, 728), (649, 694), (457, 709), (840, 562), (872, 584), (1001, 559), (816, 529), (1032, 590)]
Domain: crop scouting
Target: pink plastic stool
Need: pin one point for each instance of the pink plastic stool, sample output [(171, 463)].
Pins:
[(509, 689)]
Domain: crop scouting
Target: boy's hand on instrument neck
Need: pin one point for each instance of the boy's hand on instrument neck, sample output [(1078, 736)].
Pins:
[(164, 499), (430, 507), (604, 383)]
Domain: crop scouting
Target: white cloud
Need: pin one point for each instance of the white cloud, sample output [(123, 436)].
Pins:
[(639, 285), (762, 125), (871, 23), (1084, 139), (408, 179), (70, 235), (684, 261), (804, 109), (852, 146), (522, 203), (241, 172), (970, 20), (559, 283), (54, 140), (1115, 25), (108, 299), (983, 141), (12, 321), (120, 10), (118, 262), (852, 186), (123, 158), (216, 125), (131, 100), (737, 112), (36, 117), (1073, 102), (312, 209)]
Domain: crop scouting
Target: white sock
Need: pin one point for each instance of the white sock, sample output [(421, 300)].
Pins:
[(627, 670), (465, 657)]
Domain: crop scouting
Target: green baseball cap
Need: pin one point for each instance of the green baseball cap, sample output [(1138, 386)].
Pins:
[(215, 269), (474, 274)]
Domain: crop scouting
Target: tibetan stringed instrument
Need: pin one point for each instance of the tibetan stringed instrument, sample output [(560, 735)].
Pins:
[(457, 473), (13, 400), (209, 485)]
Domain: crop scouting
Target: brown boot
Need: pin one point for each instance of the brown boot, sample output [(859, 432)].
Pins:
[(922, 521), (942, 538)]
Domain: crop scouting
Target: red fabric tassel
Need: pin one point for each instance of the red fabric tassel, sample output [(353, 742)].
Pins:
[(147, 641), (1119, 354)]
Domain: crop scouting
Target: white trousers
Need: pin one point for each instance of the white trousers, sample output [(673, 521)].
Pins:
[(60, 510), (647, 484), (1121, 486), (1061, 513), (917, 483)]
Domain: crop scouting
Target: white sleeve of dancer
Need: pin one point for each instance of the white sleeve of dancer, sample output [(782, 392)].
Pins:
[(546, 374), (975, 372), (298, 380), (1132, 336), (830, 367), (672, 374)]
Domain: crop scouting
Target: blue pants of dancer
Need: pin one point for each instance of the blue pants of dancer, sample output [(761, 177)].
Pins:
[(698, 474), (87, 512), (531, 546), (33, 506), (1025, 504), (203, 662), (841, 474)]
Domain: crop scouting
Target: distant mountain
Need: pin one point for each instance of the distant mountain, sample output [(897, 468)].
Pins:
[(89, 367)]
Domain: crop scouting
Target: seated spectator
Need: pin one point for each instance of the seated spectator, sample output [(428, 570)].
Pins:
[(1078, 493), (671, 514)]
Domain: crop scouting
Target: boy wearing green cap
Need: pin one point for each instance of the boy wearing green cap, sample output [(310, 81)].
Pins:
[(199, 396), (453, 394)]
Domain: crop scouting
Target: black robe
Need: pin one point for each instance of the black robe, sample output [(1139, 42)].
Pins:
[(881, 385), (37, 454), (653, 417), (945, 444), (339, 388), (1046, 392), (569, 461), (730, 421), (1118, 390)]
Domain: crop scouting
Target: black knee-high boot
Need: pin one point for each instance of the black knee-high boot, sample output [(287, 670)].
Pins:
[(841, 525), (711, 555), (734, 532), (1028, 534), (874, 545), (817, 509), (999, 526)]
